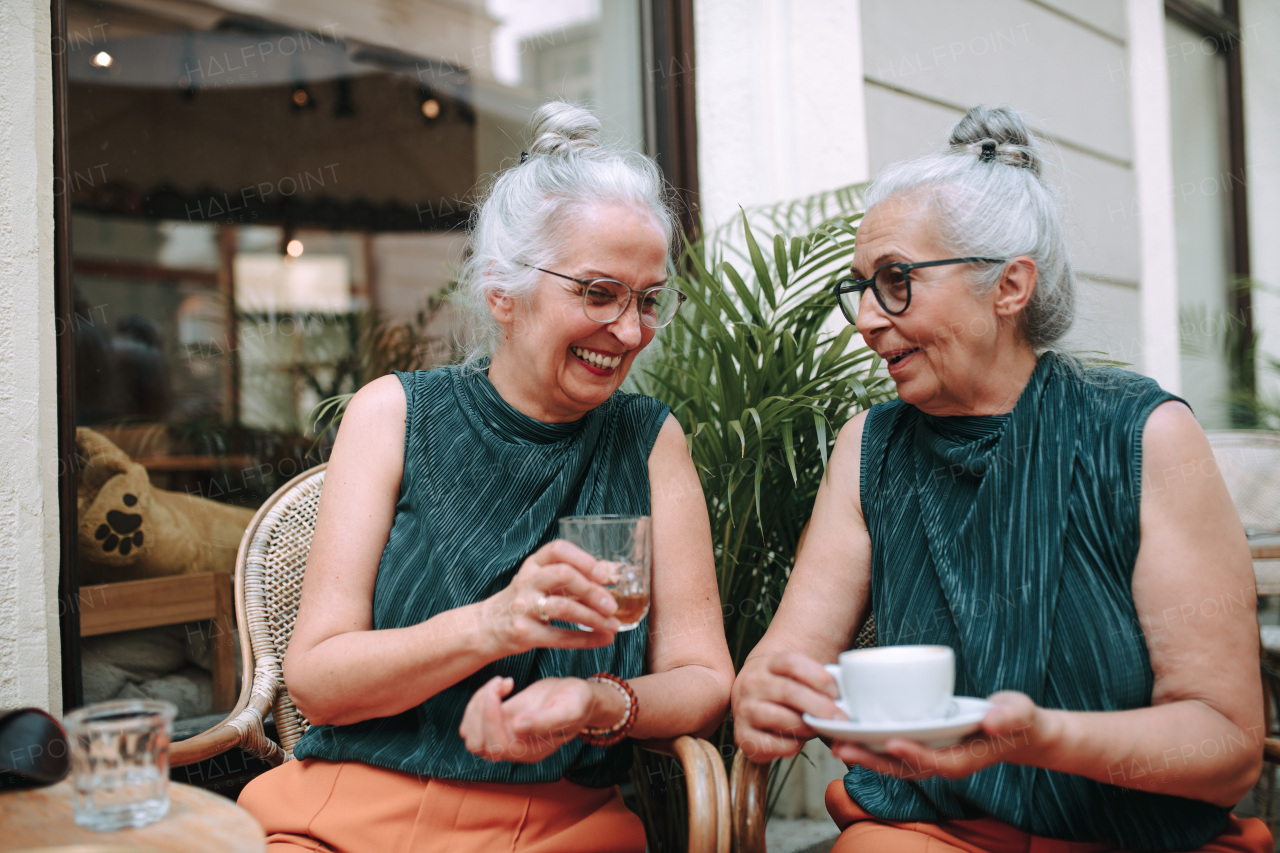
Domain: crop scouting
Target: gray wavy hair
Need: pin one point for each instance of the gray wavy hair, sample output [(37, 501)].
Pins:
[(519, 220), (990, 200)]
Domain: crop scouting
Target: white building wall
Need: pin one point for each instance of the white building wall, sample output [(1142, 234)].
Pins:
[(29, 651), (1153, 200), (780, 112), (779, 117)]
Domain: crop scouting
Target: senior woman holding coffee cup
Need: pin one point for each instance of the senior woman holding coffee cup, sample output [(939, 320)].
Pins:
[(1056, 526), (454, 704)]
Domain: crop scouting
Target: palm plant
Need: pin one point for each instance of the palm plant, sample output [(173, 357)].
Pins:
[(1245, 389), (376, 348), (760, 380)]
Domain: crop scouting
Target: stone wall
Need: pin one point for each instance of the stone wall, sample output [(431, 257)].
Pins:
[(29, 649)]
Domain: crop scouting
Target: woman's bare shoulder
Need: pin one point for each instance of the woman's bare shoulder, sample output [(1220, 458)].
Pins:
[(381, 399), (1172, 427), (372, 433), (846, 458)]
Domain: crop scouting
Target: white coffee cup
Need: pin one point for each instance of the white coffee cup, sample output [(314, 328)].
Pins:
[(896, 684)]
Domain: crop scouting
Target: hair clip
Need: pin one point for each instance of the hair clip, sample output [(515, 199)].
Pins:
[(988, 152), (524, 155)]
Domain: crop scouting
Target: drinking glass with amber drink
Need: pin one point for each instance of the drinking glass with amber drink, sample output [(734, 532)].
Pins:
[(624, 544)]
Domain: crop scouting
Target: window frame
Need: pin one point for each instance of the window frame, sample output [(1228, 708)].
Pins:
[(1224, 29), (64, 307), (667, 43)]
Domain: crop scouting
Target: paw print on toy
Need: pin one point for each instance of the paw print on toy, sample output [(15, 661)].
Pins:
[(130, 530), (120, 532)]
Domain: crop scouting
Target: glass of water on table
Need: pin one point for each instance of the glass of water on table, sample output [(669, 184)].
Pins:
[(624, 543), (120, 762)]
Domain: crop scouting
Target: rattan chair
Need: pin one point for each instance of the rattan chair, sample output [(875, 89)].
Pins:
[(1249, 461), (269, 570), (1250, 464), (749, 782)]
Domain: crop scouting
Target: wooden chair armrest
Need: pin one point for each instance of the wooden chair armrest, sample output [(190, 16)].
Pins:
[(749, 793), (242, 727), (710, 829), (1271, 750)]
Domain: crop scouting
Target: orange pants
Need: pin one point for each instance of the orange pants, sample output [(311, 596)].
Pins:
[(863, 833), (352, 808)]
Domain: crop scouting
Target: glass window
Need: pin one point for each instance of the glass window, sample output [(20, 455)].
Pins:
[(266, 214), (1202, 219)]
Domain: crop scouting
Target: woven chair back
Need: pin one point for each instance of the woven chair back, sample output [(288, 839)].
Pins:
[(274, 564), (866, 638), (1250, 463)]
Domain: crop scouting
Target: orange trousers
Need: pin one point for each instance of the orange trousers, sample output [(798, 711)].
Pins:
[(863, 833), (348, 807)]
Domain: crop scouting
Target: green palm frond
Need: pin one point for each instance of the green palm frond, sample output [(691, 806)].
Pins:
[(761, 371)]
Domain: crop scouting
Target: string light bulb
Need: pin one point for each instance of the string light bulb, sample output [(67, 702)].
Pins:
[(429, 104), (300, 98)]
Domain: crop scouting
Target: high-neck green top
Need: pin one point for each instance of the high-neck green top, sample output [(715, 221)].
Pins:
[(483, 487), (1012, 539)]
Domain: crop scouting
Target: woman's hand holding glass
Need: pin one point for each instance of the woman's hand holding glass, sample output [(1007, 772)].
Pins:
[(557, 582)]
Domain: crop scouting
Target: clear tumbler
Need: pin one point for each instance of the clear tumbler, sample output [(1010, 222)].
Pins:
[(120, 762), (624, 543)]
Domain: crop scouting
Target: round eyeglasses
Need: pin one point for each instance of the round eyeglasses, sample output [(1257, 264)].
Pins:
[(605, 299), (891, 284)]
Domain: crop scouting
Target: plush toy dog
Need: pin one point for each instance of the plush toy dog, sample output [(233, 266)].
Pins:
[(130, 530)]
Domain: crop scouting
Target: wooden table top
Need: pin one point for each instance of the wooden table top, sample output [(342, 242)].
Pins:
[(40, 819)]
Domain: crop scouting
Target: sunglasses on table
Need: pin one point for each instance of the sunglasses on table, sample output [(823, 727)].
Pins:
[(891, 283)]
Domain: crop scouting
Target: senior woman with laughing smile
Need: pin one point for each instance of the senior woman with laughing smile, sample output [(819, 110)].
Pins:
[(452, 707), (1011, 476)]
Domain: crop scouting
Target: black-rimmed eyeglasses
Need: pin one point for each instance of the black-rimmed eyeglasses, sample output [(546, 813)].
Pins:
[(891, 284), (605, 299)]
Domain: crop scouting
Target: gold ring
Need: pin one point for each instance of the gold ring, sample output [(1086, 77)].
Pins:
[(542, 610)]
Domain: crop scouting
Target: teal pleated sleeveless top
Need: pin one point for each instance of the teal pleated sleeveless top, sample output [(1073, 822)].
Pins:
[(483, 487), (1012, 539)]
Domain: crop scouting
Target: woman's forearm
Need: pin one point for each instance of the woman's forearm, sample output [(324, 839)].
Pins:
[(1210, 759), (360, 675), (689, 699)]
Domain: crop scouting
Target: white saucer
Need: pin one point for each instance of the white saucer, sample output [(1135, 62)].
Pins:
[(965, 719)]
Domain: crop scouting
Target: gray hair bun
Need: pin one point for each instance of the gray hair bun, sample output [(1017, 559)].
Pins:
[(560, 128), (997, 135)]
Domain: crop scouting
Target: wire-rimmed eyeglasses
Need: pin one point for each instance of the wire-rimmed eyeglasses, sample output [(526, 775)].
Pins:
[(891, 284), (605, 299)]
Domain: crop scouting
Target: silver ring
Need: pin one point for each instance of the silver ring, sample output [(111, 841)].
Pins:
[(542, 610)]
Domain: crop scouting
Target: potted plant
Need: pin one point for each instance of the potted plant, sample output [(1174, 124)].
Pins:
[(761, 378)]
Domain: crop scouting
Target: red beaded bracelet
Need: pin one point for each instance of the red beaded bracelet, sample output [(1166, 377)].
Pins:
[(610, 736)]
